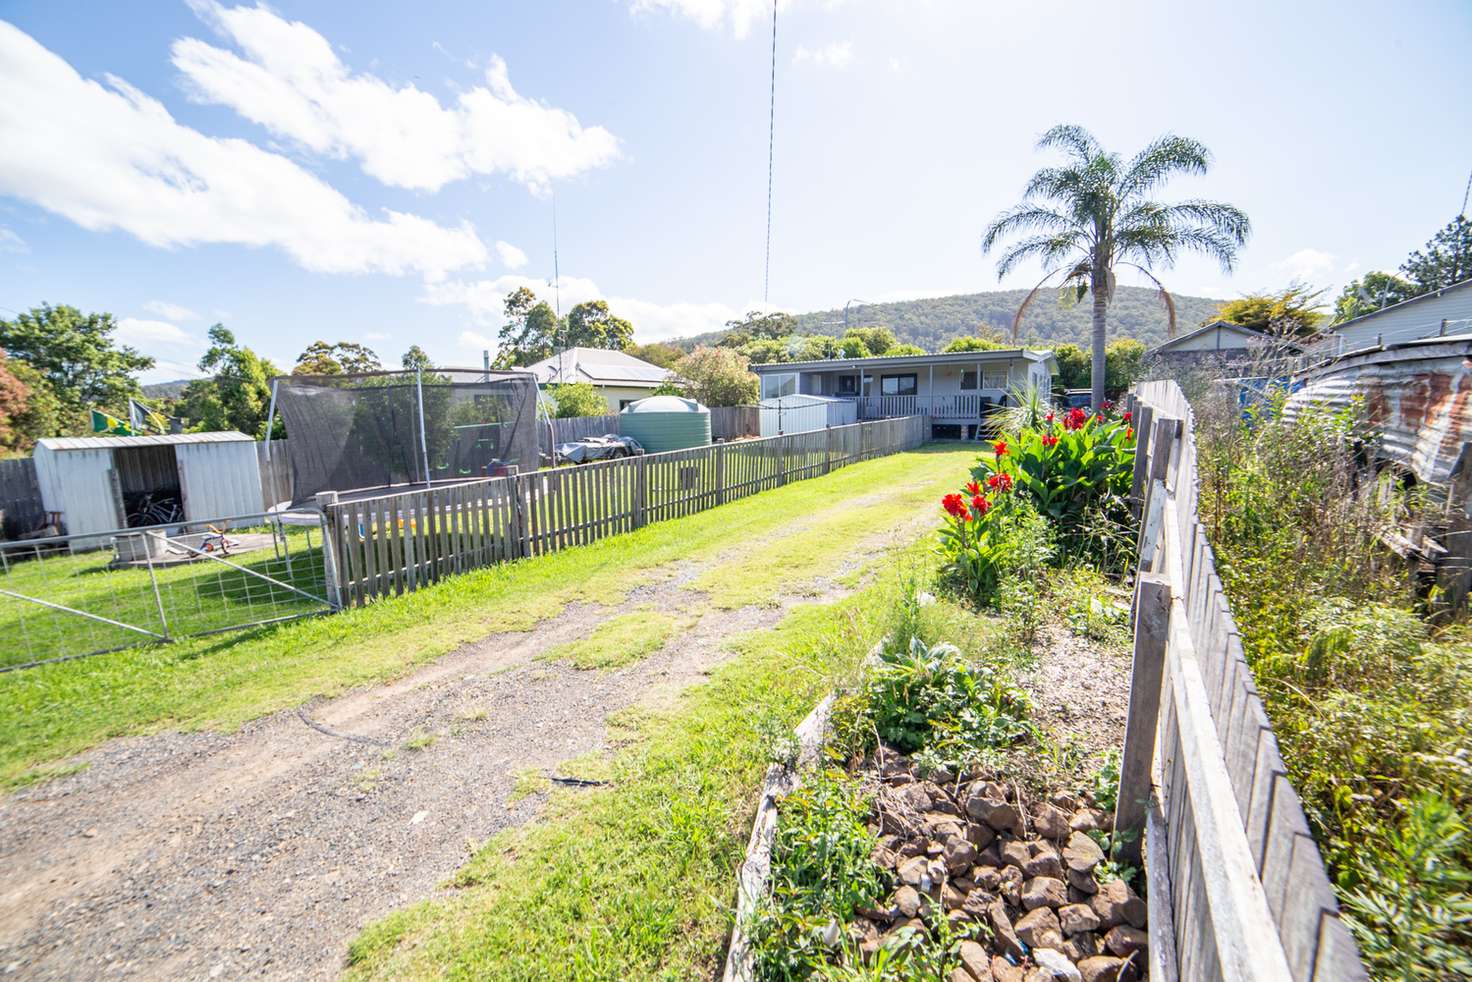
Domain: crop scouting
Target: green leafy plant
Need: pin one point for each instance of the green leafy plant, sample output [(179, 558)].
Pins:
[(932, 697), (1106, 782), (822, 872), (1413, 918)]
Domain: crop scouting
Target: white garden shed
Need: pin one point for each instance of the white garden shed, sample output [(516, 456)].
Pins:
[(101, 483), (800, 413)]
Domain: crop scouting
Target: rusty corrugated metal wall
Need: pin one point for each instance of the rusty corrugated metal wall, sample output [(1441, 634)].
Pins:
[(1418, 396)]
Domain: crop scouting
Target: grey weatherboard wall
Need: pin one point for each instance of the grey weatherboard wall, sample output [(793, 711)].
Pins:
[(667, 423)]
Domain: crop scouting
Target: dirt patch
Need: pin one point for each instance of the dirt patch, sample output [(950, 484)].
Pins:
[(1080, 689), (262, 852)]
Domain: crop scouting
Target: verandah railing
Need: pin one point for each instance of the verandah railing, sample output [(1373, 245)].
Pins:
[(1237, 888), (399, 542)]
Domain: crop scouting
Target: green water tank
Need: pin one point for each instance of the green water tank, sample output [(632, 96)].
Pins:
[(663, 423)]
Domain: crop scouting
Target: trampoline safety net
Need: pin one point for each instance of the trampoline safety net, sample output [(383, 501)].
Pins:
[(350, 433)]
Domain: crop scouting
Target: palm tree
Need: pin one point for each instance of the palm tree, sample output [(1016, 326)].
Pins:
[(1094, 214)]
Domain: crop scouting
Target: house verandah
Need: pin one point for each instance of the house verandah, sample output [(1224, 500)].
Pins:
[(956, 389)]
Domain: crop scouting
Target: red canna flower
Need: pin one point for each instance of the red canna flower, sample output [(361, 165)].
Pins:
[(1049, 440), (1108, 405), (965, 516), (973, 488), (1049, 417), (1127, 416), (1075, 419), (954, 504), (1098, 417), (1000, 447), (1004, 482), (1129, 432), (981, 505)]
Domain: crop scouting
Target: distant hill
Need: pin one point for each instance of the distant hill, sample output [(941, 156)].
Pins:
[(1136, 312), (165, 390)]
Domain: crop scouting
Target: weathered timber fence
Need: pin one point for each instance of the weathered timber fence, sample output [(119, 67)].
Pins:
[(400, 542), (1237, 888)]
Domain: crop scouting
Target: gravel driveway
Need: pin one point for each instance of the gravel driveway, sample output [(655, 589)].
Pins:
[(262, 852)]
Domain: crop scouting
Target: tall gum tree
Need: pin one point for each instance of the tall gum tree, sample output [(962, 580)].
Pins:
[(1095, 213)]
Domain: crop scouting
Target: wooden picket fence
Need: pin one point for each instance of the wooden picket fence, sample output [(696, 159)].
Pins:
[(1237, 888), (396, 543)]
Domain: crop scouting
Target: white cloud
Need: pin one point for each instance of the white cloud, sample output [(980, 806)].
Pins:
[(120, 161), (168, 370), (711, 14), (834, 54), (377, 336), (1310, 265), (511, 257), (477, 341), (485, 300), (10, 242), (289, 80), (170, 311), (146, 333)]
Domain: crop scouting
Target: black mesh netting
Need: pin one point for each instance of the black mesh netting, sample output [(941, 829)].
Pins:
[(354, 432)]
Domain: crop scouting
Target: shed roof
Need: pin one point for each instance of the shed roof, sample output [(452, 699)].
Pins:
[(163, 440), (600, 367)]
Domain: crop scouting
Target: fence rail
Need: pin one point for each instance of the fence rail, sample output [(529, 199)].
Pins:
[(1237, 886), (400, 542)]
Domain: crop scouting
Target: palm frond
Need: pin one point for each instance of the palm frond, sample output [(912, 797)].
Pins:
[(1164, 157), (1022, 307), (1165, 297), (1051, 250), (1073, 138), (1026, 217)]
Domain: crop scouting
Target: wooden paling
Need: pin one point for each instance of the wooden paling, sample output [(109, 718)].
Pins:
[(396, 543), (1237, 887)]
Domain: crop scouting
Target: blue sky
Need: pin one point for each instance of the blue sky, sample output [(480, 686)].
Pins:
[(382, 173)]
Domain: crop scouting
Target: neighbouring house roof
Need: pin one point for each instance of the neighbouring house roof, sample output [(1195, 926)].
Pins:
[(1396, 308), (906, 361), (599, 367), (1250, 335), (165, 440)]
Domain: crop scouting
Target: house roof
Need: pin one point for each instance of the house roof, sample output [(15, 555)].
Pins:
[(599, 367), (1433, 295), (907, 361), (164, 440), (1251, 333)]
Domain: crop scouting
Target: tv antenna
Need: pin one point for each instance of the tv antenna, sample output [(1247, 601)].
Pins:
[(771, 146)]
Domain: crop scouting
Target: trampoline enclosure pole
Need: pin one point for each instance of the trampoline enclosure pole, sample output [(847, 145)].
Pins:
[(423, 442), (270, 415)]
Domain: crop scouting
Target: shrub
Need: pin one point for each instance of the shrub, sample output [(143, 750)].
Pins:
[(1369, 706), (577, 399)]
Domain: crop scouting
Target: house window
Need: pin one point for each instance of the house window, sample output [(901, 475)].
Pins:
[(968, 381), (898, 385), (848, 385), (994, 378), (774, 386)]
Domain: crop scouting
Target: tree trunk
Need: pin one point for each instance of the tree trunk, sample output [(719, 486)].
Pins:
[(1098, 292)]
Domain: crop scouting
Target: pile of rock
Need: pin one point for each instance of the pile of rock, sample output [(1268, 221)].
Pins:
[(973, 849)]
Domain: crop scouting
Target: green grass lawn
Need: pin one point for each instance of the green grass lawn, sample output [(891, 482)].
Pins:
[(196, 597), (53, 711)]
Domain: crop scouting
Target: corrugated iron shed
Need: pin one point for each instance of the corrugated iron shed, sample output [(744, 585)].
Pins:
[(1417, 395)]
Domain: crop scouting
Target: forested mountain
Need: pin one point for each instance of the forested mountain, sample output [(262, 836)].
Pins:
[(1136, 312)]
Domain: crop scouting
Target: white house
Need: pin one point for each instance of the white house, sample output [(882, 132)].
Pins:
[(957, 388), (1445, 311), (619, 378)]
